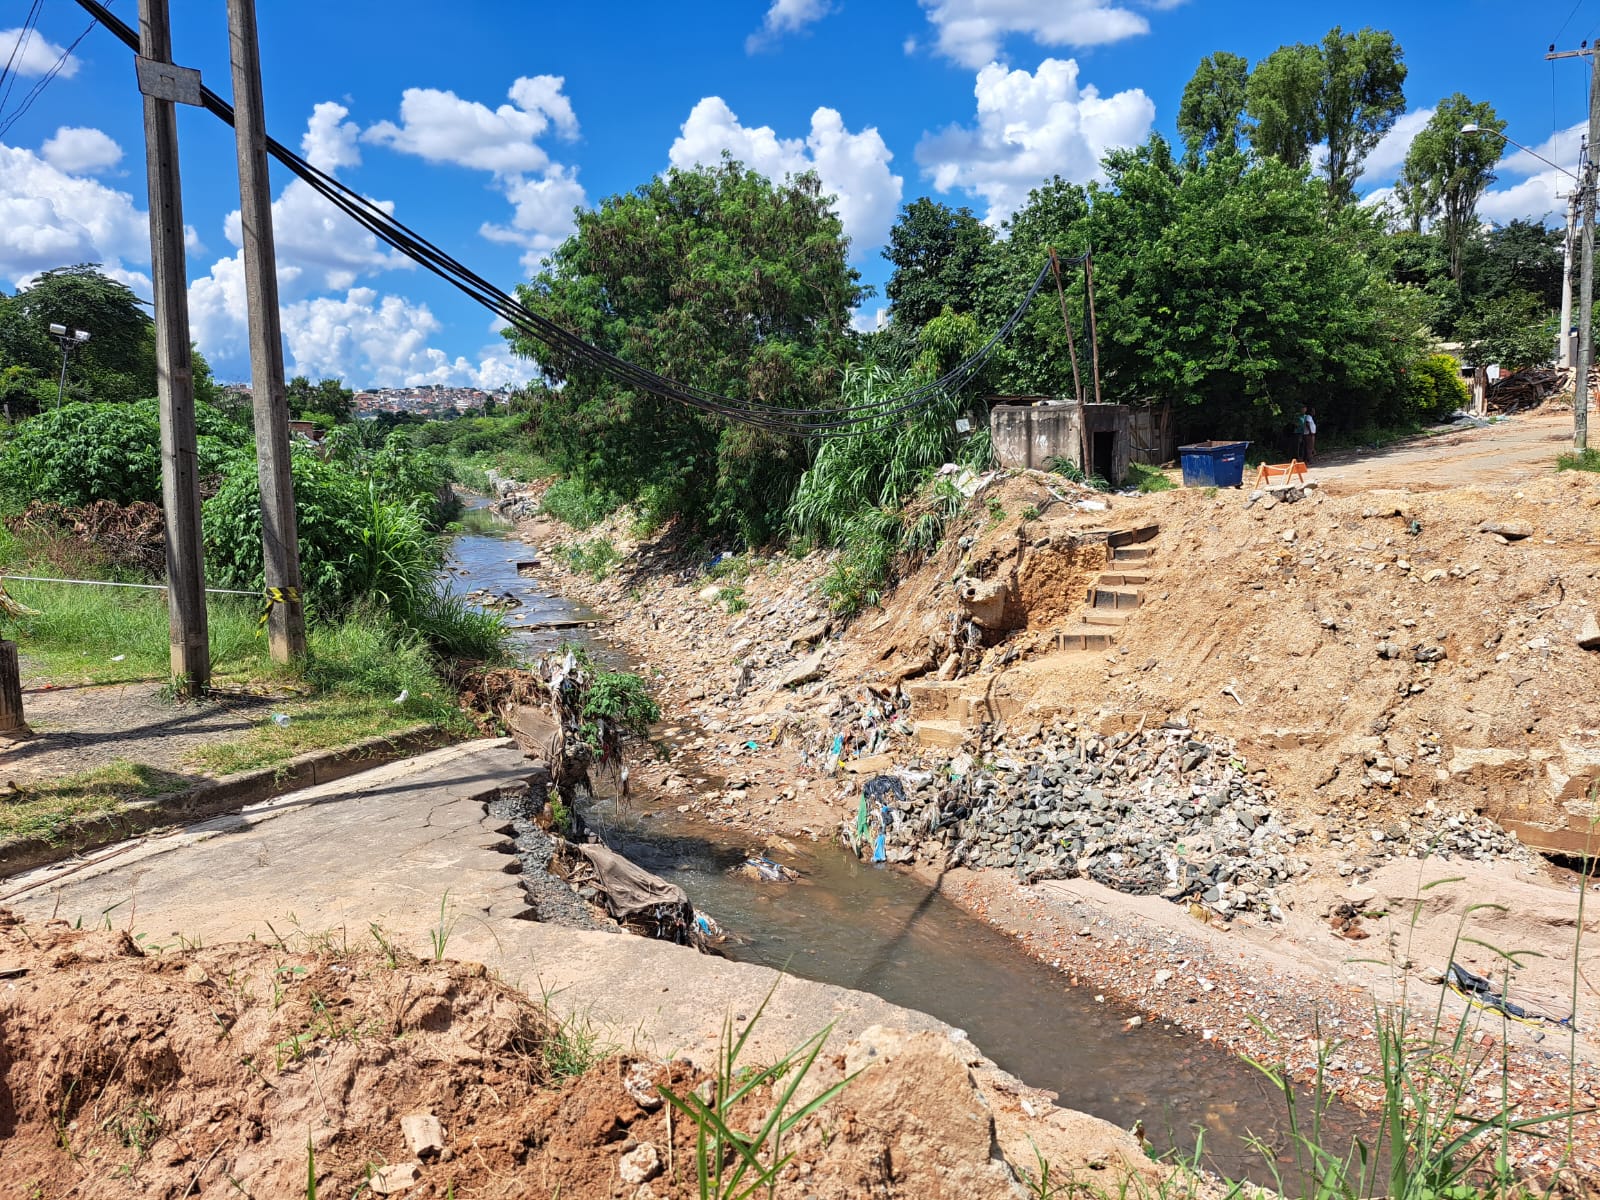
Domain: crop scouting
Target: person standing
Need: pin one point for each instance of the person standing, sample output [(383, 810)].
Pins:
[(1308, 434)]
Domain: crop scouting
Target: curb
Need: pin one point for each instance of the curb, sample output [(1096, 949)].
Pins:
[(217, 796)]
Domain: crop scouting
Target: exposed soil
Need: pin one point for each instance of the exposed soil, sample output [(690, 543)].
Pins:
[(1380, 654), (253, 1070)]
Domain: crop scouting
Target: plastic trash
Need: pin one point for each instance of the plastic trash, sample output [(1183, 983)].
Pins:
[(118, 657), (281, 720), (404, 695)]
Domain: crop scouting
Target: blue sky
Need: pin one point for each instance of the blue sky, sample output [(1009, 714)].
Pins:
[(485, 123)]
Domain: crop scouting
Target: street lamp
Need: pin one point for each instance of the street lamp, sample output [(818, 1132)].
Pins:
[(1585, 196), (69, 339)]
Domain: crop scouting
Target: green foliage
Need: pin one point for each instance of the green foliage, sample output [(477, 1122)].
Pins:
[(116, 365), (1148, 479), (1346, 92), (721, 280), (1436, 388), (734, 1165), (80, 453), (353, 543), (1211, 113), (594, 558), (1514, 330), (1446, 171), (1585, 460), (575, 503), (935, 251), (326, 398), (623, 699)]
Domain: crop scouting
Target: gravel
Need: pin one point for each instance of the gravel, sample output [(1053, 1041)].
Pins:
[(552, 900)]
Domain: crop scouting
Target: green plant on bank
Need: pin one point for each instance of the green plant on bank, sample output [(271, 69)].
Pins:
[(594, 558), (732, 599), (731, 1164), (1148, 479), (571, 1044), (1072, 472), (439, 935), (1579, 460), (573, 503), (622, 698), (1435, 1140), (560, 816)]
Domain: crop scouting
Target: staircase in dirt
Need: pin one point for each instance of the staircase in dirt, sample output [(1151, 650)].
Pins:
[(1116, 594)]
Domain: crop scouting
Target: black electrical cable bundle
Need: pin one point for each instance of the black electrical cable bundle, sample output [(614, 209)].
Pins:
[(770, 417)]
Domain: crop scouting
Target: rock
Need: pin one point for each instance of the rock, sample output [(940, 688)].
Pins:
[(1388, 650), (804, 671), (814, 632), (710, 593), (1162, 978), (1288, 536), (423, 1133), (395, 1178), (639, 1164), (640, 1089), (1589, 635), (1510, 530), (1429, 654)]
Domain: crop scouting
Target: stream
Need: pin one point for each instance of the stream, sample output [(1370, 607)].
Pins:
[(879, 930)]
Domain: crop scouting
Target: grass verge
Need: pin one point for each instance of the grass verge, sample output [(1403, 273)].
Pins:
[(1585, 460), (46, 808)]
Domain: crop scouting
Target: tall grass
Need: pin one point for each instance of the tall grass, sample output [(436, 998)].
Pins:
[(1584, 460)]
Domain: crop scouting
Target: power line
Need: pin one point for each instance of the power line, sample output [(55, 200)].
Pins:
[(1568, 21), (775, 418), (24, 35), (38, 88)]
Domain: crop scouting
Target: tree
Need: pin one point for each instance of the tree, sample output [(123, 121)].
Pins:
[(327, 397), (1514, 330), (1347, 92), (935, 250), (717, 278), (1211, 113), (1521, 256), (1362, 95), (117, 363), (1282, 100), (1447, 171)]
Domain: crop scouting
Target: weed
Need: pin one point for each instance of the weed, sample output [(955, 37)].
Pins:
[(573, 1044), (391, 957), (996, 510), (594, 558), (732, 1165), (574, 503), (1584, 460), (311, 1170), (732, 599), (1031, 513), (1148, 479), (439, 935)]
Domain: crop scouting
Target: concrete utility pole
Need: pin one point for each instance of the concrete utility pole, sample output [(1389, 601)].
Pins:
[(162, 84), (1564, 332), (280, 538), (1580, 390)]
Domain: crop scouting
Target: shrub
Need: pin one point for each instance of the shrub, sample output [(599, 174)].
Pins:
[(575, 503), (1435, 388), (1148, 479), (351, 542), (78, 453)]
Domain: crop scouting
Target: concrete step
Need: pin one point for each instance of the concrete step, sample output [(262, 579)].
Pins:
[(1104, 597), (1132, 554), (1123, 579), (945, 735), (1129, 537), (1084, 638), (1106, 616)]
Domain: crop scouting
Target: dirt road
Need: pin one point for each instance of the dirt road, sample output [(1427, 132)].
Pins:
[(1507, 452)]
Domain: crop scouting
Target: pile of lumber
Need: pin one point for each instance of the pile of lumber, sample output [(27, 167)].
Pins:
[(1532, 387)]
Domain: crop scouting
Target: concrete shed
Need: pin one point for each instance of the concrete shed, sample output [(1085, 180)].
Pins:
[(1031, 434)]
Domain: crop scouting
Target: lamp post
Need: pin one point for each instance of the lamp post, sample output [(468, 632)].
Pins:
[(70, 339), (1584, 200)]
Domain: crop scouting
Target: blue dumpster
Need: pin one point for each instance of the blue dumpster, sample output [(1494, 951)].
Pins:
[(1213, 464)]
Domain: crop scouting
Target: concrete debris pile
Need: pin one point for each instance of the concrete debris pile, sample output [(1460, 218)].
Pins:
[(1154, 812), (1428, 833)]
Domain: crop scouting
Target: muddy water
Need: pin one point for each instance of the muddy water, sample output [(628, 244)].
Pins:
[(877, 930)]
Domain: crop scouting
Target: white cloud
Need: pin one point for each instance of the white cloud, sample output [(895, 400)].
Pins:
[(973, 31), (49, 218), (441, 127), (383, 341), (318, 242), (854, 167), (543, 213), (79, 150), (330, 142), (1029, 128), (1539, 196), (36, 56), (786, 16), (1389, 155)]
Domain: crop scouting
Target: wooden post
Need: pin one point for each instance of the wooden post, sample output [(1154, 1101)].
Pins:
[(10, 690), (280, 538), (180, 484), (1072, 349)]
